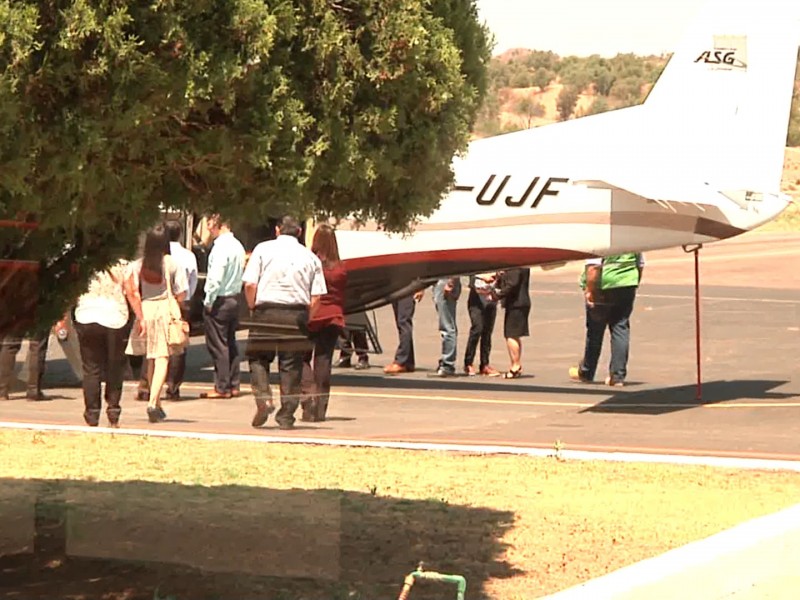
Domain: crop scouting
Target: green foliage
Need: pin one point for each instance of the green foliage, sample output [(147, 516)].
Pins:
[(529, 108), (111, 110), (566, 101)]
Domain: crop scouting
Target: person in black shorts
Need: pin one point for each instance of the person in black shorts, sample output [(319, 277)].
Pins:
[(512, 290)]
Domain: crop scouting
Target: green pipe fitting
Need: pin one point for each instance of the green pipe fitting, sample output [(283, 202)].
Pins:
[(419, 573)]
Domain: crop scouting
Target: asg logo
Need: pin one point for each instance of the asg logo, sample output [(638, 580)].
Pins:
[(722, 58)]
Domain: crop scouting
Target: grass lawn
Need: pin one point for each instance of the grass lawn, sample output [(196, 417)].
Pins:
[(122, 517)]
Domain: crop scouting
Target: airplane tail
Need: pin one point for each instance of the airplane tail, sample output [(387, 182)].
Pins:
[(730, 84)]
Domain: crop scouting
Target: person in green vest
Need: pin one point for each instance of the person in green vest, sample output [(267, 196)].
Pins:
[(609, 286)]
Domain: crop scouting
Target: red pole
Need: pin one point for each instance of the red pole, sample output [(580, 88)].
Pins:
[(699, 396)]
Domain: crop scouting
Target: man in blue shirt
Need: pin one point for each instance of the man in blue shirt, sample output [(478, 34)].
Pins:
[(221, 307)]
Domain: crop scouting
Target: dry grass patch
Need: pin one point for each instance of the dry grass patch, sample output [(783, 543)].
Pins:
[(289, 521)]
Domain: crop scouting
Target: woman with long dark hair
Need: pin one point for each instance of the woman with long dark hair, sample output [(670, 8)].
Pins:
[(101, 316), (158, 278), (325, 326)]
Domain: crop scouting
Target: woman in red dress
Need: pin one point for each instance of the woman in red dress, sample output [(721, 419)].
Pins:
[(325, 327)]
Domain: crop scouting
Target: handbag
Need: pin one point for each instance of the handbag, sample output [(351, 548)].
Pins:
[(177, 328)]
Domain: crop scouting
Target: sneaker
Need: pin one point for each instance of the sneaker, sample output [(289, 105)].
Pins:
[(614, 382), (362, 364), (442, 372), (575, 375), (470, 370), (489, 371), (34, 396), (342, 363)]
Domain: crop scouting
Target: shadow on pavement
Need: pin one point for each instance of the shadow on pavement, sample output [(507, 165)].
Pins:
[(476, 384), (140, 540), (673, 399)]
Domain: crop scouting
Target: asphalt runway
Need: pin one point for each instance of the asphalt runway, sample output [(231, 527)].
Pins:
[(750, 405)]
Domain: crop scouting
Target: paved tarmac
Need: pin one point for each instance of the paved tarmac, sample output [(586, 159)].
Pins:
[(750, 405)]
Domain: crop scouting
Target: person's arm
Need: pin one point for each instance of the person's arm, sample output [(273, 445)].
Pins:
[(250, 294), (216, 270), (131, 289), (593, 273), (314, 306), (192, 274)]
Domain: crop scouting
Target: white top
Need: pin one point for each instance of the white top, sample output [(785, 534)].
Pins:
[(157, 290), (104, 302), (187, 260), (285, 271)]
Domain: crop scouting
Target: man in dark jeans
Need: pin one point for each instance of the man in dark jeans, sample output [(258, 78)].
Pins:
[(283, 283), (221, 308), (37, 354), (404, 359), (610, 286)]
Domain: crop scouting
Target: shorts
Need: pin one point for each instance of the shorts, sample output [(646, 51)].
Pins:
[(515, 322)]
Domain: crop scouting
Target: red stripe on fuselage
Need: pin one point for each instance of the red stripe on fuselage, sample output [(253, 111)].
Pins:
[(506, 256)]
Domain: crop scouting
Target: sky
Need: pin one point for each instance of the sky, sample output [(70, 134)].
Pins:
[(585, 27)]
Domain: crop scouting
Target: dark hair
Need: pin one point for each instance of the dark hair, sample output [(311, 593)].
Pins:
[(156, 246), (325, 246), (174, 230), (290, 226)]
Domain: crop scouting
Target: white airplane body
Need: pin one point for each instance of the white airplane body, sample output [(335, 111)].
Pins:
[(699, 161)]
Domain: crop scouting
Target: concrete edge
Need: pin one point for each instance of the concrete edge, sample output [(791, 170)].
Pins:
[(675, 459), (695, 555)]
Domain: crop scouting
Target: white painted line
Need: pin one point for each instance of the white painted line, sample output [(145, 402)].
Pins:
[(546, 403), (679, 297), (695, 554), (709, 461)]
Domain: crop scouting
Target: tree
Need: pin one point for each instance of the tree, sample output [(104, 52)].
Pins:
[(566, 102), (529, 109), (542, 78), (600, 105), (111, 110)]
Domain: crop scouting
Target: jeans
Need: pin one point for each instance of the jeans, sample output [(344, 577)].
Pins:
[(446, 307), (482, 316), (614, 314)]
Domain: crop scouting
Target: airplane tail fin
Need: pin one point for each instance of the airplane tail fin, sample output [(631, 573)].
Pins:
[(725, 96)]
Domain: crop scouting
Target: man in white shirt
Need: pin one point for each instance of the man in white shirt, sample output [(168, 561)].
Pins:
[(188, 261), (283, 282)]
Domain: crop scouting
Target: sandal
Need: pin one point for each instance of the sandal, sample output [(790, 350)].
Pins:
[(512, 373)]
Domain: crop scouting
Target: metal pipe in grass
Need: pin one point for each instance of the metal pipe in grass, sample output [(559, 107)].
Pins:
[(420, 573)]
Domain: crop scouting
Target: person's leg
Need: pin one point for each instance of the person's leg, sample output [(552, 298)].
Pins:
[(514, 346), (229, 317), (290, 364), (259, 382), (595, 332), (115, 368), (323, 357), (488, 316), (308, 388), (9, 348), (361, 347), (619, 324), (474, 307), (404, 317), (217, 344), (346, 347), (92, 344), (175, 372), (449, 330), (37, 358), (158, 375)]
